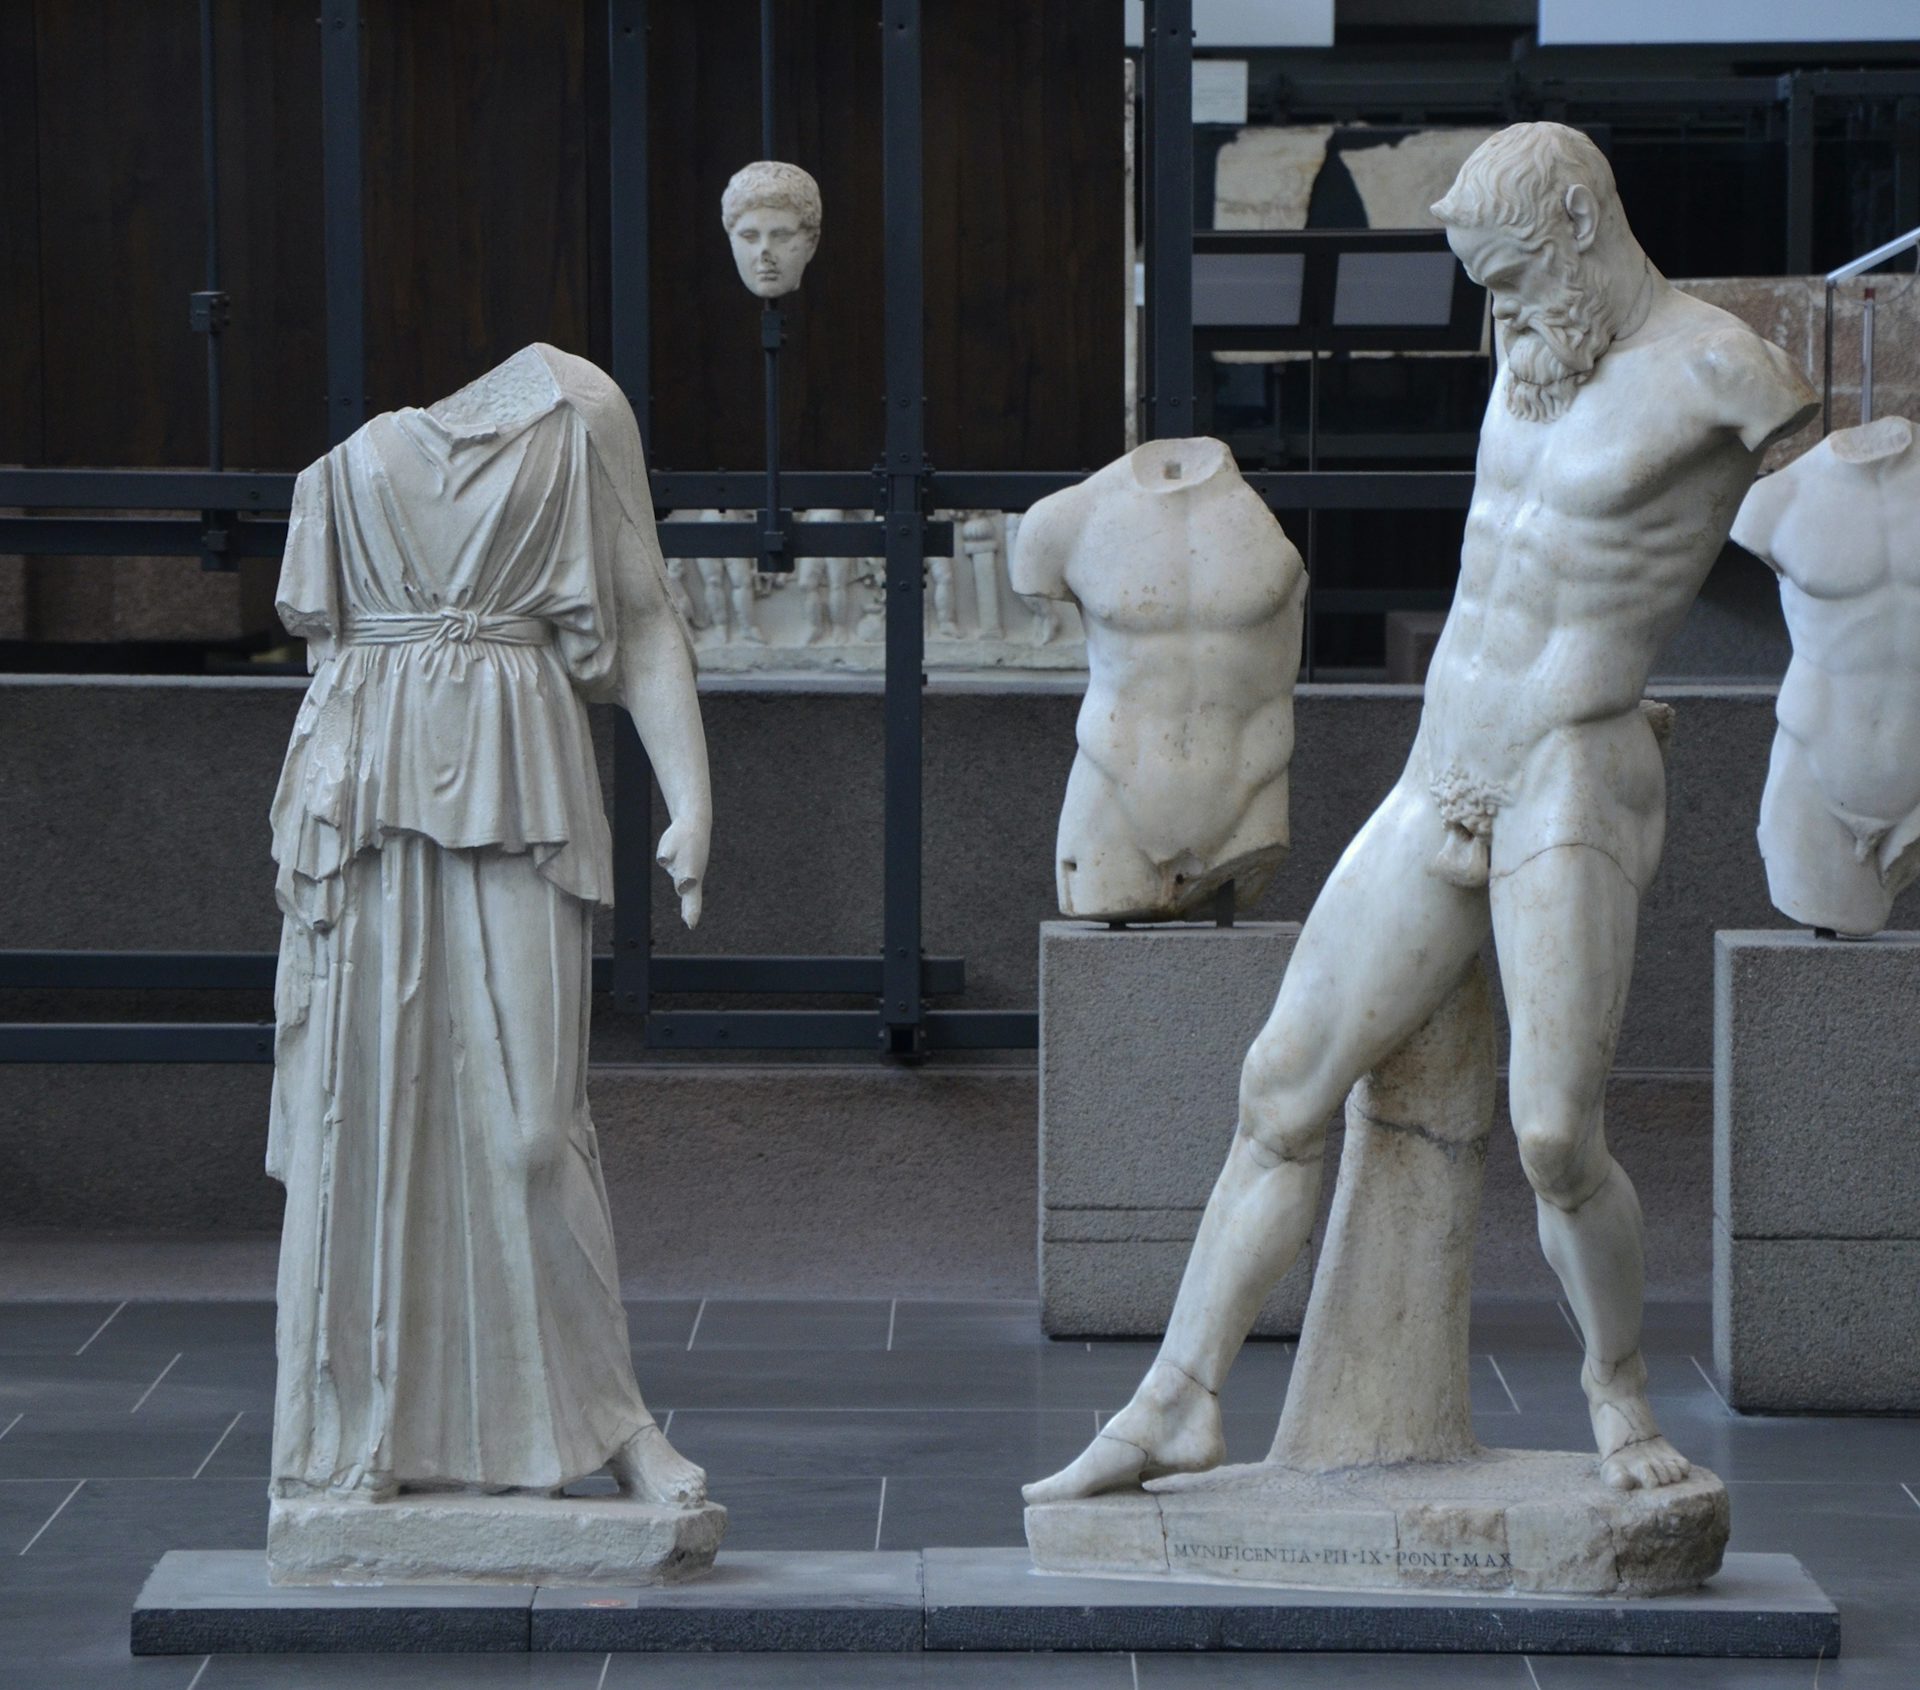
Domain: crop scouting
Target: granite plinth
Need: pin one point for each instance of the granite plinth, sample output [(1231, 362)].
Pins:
[(490, 1539), (1758, 1605), (1139, 1097), (1539, 1522), (220, 1602), (1816, 1243), (201, 1602), (844, 1601)]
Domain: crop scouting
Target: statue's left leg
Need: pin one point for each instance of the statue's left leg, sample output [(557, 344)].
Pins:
[(1564, 923)]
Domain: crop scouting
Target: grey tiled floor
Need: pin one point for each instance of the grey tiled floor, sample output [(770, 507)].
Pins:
[(127, 1431)]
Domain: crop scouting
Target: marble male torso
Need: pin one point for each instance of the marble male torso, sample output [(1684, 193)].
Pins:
[(1191, 599), (1840, 819), (1588, 538)]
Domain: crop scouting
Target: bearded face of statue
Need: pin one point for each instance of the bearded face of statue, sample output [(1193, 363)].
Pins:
[(1551, 317)]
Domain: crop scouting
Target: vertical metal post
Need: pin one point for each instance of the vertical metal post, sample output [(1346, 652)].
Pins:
[(902, 472), (341, 193), (766, 79), (773, 331), (1168, 232), (630, 283), (1826, 364), (632, 347), (1799, 175), (1866, 357), (210, 175), (1309, 557)]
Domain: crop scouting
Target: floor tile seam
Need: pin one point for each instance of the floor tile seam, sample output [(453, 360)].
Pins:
[(44, 1524)]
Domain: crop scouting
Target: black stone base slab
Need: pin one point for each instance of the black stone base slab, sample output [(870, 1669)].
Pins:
[(1759, 1605), (212, 1602), (847, 1601), (218, 1602)]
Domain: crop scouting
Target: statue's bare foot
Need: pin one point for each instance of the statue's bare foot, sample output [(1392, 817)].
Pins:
[(649, 1467), (1633, 1454), (1171, 1426)]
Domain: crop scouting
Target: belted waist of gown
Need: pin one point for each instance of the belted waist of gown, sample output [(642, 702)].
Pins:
[(448, 626)]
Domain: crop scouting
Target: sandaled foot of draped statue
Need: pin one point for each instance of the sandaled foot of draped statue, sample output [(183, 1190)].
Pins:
[(1633, 1454), (1172, 1425), (649, 1467)]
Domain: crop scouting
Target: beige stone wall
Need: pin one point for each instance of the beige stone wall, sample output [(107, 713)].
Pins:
[(1791, 312)]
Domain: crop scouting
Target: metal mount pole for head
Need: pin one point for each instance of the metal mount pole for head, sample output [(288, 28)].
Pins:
[(207, 310), (1846, 273), (774, 559)]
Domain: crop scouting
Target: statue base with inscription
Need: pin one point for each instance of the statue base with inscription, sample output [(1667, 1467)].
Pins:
[(466, 1538), (1509, 1521), (1375, 1479)]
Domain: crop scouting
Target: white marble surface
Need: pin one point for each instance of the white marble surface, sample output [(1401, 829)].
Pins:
[(1263, 178), (466, 577), (1190, 595), (829, 614), (1840, 818), (1625, 426), (771, 212)]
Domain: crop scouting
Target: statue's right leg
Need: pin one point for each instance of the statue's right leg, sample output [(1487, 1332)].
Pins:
[(1385, 943)]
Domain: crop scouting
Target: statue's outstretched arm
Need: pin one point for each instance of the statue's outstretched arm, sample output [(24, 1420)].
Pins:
[(656, 688)]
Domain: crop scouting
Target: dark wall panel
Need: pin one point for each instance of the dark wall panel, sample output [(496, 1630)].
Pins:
[(476, 189), (120, 230), (20, 384), (1027, 267), (485, 222), (271, 251)]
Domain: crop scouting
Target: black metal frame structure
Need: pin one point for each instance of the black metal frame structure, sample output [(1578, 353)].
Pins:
[(237, 511)]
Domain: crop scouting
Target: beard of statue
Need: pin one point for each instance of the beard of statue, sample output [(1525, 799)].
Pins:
[(1552, 350)]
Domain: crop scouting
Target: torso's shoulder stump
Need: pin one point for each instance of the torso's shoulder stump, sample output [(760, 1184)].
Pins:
[(1512, 1522), (1742, 380)]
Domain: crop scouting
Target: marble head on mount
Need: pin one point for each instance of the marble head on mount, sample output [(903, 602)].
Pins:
[(771, 212)]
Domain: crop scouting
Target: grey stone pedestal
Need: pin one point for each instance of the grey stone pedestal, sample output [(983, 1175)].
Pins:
[(1142, 1032), (219, 1602), (1816, 1228)]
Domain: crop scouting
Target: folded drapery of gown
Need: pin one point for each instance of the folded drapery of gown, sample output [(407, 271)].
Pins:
[(452, 572)]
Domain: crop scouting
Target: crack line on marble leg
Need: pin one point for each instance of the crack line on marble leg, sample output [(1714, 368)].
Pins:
[(1184, 1374)]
